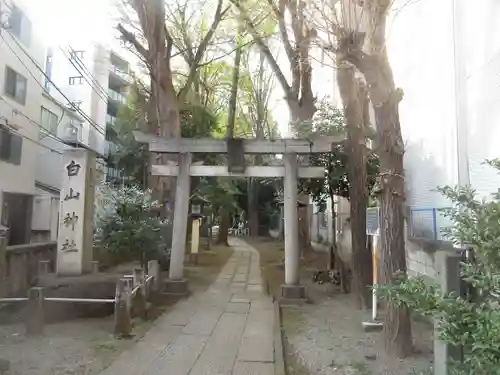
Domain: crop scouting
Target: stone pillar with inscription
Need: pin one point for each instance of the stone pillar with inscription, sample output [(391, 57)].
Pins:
[(76, 213)]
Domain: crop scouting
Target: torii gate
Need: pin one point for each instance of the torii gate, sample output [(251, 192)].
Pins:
[(237, 148)]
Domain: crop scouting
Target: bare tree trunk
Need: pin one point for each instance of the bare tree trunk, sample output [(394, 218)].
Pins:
[(385, 98), (231, 116), (351, 91)]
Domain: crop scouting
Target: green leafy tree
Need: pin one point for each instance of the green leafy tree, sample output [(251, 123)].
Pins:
[(329, 120), (124, 225), (472, 323)]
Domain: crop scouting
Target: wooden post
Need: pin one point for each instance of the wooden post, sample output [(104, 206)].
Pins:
[(195, 240), (448, 273), (34, 312), (180, 218), (43, 267), (139, 299), (123, 321)]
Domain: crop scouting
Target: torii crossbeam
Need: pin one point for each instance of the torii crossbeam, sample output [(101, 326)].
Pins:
[(290, 171)]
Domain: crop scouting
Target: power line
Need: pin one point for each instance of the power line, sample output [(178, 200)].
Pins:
[(30, 139), (72, 62), (83, 114), (85, 69), (33, 122)]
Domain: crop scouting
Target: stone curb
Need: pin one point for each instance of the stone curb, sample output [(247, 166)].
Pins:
[(279, 354)]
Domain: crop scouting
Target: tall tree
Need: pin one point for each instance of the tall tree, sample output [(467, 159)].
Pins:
[(154, 44), (257, 86), (231, 119), (354, 31), (296, 39), (364, 46), (341, 175), (353, 93)]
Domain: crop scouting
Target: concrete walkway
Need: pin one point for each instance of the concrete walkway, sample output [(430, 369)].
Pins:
[(226, 330)]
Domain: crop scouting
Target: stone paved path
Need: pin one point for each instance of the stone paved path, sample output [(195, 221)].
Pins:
[(226, 330)]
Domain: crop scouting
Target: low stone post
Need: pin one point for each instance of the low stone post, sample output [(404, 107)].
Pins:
[(3, 258), (123, 321), (139, 299), (154, 270), (95, 266), (34, 312), (448, 274), (43, 267)]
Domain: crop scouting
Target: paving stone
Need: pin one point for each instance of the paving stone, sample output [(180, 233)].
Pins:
[(257, 349), (241, 299), (226, 330), (259, 324), (238, 308), (203, 322), (137, 359), (220, 352), (179, 357), (255, 288), (253, 368)]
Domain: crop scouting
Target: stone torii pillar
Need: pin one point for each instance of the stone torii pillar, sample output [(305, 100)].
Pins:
[(291, 289), (176, 284)]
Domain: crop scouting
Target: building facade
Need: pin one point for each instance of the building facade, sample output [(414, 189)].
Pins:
[(21, 86), (96, 80)]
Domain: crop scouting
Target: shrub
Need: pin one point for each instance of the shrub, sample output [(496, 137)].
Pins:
[(472, 323), (124, 223)]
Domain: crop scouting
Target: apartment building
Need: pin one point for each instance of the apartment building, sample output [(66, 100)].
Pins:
[(95, 79), (62, 128), (449, 120), (21, 89)]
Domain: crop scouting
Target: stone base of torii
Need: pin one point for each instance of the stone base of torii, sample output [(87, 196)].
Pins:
[(290, 171)]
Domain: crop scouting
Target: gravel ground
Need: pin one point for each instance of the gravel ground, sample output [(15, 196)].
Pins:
[(86, 346), (326, 338), (70, 348)]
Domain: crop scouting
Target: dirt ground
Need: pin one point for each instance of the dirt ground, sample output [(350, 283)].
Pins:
[(87, 346), (325, 336)]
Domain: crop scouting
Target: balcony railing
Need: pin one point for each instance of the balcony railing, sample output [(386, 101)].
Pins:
[(120, 73), (110, 120), (117, 97)]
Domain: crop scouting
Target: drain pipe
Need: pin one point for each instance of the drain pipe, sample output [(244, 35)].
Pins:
[(460, 83)]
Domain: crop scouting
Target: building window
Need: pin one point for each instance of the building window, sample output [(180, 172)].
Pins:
[(11, 146), (76, 55), (15, 85), (76, 80), (20, 25), (49, 121)]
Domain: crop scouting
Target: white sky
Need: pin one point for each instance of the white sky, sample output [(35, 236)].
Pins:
[(69, 21)]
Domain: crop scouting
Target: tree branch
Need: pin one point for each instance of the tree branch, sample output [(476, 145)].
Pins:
[(127, 36), (219, 15), (265, 50)]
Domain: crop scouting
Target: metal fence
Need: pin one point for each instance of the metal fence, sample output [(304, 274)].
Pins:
[(131, 297), (428, 223)]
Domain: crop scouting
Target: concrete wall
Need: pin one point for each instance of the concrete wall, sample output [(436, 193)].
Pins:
[(20, 265)]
